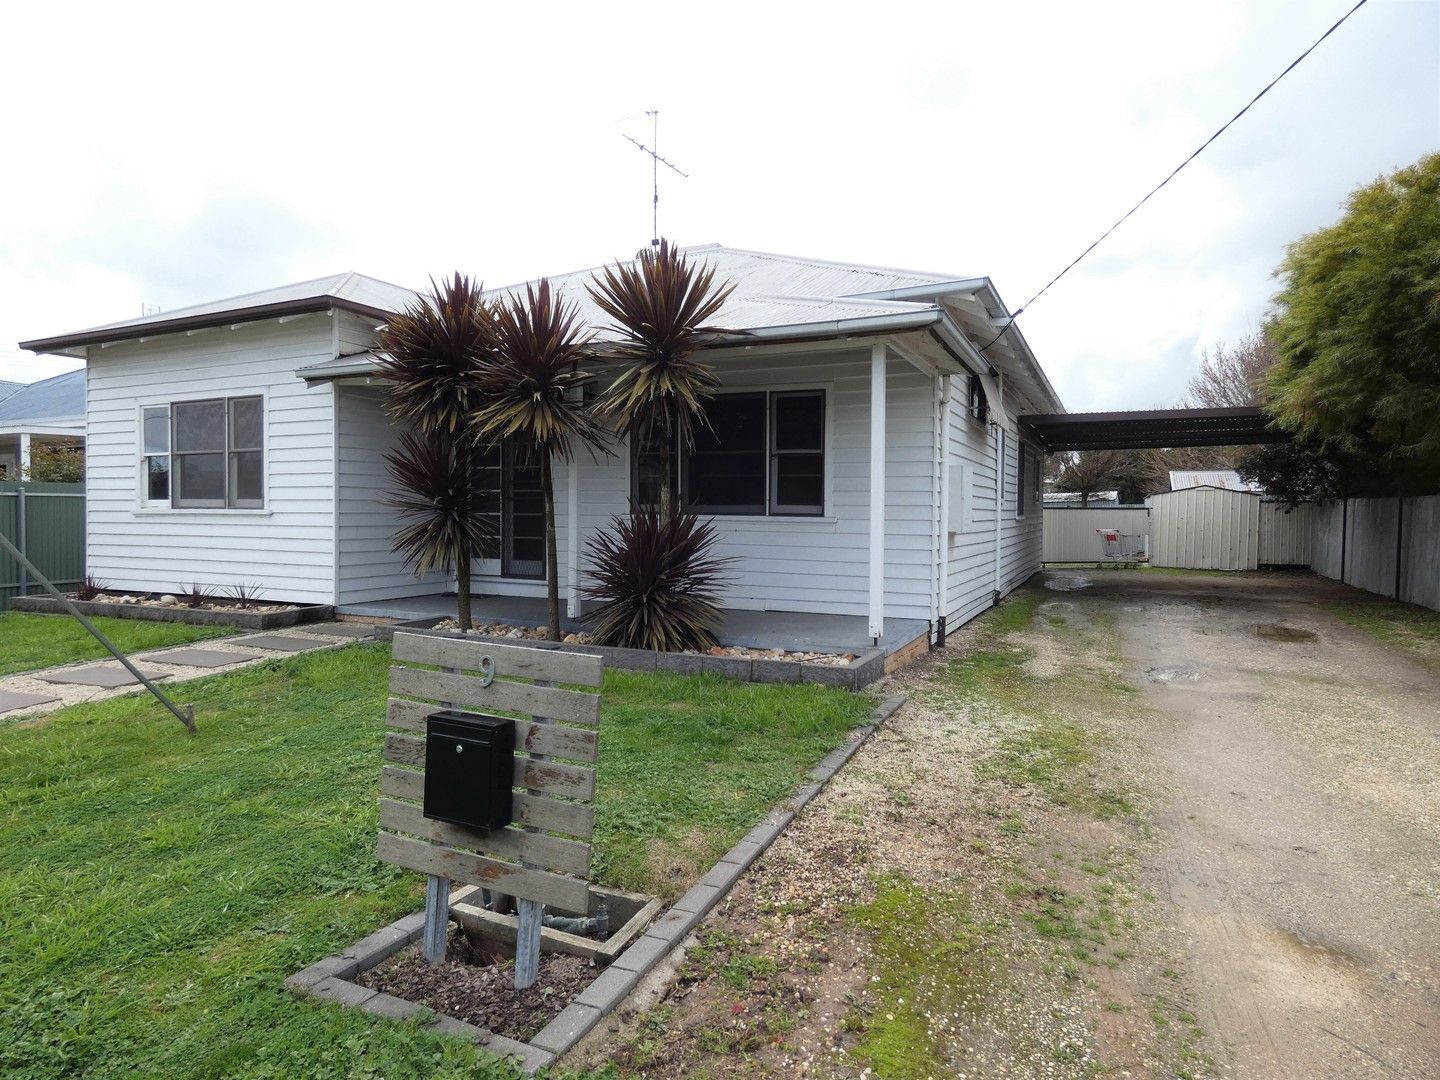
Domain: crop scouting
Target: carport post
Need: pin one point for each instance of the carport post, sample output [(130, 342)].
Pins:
[(877, 492)]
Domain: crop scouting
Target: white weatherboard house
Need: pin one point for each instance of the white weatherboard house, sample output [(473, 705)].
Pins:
[(865, 462)]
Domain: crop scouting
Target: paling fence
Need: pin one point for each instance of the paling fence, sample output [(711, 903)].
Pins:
[(1385, 546), (47, 523), (1072, 533)]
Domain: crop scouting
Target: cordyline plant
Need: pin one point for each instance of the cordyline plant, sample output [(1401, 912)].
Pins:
[(433, 354), (657, 581), (659, 305), (533, 395)]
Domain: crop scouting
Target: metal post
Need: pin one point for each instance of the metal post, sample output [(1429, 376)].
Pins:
[(185, 714), (877, 492), (437, 917), (22, 535)]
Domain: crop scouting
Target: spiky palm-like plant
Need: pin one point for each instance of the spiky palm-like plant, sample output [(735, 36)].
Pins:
[(433, 354), (445, 524), (657, 581), (533, 395), (660, 304)]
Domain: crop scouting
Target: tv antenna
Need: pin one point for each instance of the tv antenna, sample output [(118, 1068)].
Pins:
[(655, 162)]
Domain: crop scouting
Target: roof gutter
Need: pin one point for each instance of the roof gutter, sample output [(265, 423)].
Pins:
[(934, 288), (107, 335)]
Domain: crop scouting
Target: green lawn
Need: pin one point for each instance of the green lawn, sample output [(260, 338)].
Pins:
[(29, 642), (156, 888)]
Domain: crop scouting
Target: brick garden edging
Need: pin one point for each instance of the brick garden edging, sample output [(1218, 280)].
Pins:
[(868, 665), (248, 620), (329, 979)]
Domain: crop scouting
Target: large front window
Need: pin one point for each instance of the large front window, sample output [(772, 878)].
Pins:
[(762, 453), (204, 454)]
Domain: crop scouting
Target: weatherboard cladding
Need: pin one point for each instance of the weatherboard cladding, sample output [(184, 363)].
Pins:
[(287, 549)]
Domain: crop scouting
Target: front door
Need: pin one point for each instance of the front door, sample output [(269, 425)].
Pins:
[(515, 503)]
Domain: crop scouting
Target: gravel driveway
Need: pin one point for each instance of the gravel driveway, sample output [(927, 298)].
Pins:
[(1132, 823)]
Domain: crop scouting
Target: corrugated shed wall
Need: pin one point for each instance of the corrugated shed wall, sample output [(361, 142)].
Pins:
[(1205, 529), (1285, 534), (1072, 534)]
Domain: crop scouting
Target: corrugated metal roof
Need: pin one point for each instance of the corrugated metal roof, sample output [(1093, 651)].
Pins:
[(61, 397), (1229, 479), (8, 388)]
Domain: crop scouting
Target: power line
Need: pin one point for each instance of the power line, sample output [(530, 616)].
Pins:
[(1219, 131)]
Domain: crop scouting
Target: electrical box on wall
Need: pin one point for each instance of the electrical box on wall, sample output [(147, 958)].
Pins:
[(958, 498), (469, 769)]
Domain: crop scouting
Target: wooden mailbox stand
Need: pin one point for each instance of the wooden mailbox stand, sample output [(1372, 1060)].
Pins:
[(543, 857)]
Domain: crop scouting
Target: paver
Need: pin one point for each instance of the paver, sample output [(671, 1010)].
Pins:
[(11, 700), (339, 629), (281, 643), (204, 658), (105, 677)]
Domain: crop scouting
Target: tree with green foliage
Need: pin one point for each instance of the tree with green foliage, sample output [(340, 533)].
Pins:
[(1356, 330), (533, 395), (434, 354)]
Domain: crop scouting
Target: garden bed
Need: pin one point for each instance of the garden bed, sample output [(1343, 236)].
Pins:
[(258, 615), (848, 670)]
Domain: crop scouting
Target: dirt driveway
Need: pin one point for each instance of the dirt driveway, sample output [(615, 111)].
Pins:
[(1130, 823)]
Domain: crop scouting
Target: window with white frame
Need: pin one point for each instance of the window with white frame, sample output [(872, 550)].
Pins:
[(1021, 468), (762, 453), (206, 454)]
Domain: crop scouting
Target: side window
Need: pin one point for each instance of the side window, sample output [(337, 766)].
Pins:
[(797, 452), (155, 453), (216, 453), (1021, 467)]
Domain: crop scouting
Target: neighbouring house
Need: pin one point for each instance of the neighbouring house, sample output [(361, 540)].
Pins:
[(48, 412), (865, 460), (1227, 479)]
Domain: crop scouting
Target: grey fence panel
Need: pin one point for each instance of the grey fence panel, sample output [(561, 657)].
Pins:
[(1072, 532), (1420, 552), (1381, 546), (1205, 528), (47, 523)]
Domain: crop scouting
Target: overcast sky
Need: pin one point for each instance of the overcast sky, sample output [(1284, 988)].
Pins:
[(167, 156)]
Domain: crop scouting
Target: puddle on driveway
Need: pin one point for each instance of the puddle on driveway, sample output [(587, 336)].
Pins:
[(1167, 676), (1276, 632), (1068, 583)]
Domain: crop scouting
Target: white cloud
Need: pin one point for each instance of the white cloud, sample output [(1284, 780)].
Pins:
[(169, 155)]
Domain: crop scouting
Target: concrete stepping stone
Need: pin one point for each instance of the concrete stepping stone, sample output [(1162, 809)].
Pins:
[(107, 678), (10, 700), (205, 658), (339, 629), (281, 643)]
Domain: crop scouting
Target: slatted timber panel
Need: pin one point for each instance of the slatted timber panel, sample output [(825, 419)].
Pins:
[(558, 795)]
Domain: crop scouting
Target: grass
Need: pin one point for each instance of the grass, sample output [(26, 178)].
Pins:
[(929, 959), (155, 889), (1048, 752), (29, 642), (1404, 624)]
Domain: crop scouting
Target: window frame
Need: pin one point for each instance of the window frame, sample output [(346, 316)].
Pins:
[(769, 511), (1020, 485), (229, 503)]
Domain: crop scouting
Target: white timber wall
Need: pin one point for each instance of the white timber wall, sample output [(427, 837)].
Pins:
[(1205, 528), (1072, 534), (368, 568), (972, 577), (1285, 533), (816, 564), (286, 549)]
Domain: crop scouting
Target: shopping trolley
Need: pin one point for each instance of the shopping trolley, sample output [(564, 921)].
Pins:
[(1118, 549)]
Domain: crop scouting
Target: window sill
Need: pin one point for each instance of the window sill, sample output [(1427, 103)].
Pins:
[(772, 519), (191, 511)]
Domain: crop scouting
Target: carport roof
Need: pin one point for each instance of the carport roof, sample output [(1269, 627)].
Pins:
[(1152, 428)]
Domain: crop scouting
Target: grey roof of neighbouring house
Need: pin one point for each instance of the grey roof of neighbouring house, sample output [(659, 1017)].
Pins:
[(8, 388), (60, 398)]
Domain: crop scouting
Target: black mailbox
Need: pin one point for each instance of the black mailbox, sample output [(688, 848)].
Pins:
[(469, 769)]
